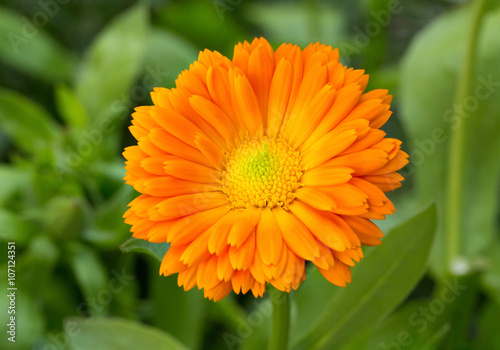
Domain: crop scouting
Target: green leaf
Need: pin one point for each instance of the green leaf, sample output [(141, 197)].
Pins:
[(305, 299), (409, 328), (189, 308), (70, 108), (488, 337), (490, 278), (17, 180), (117, 334), (14, 228), (30, 49), (29, 319), (111, 66), (156, 250), (26, 123), (89, 272), (381, 281), (428, 84)]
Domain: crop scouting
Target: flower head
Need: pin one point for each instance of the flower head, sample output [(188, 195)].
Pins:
[(251, 167)]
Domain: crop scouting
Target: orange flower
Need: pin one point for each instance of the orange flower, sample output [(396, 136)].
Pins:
[(250, 167)]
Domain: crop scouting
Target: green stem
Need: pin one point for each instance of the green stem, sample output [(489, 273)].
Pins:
[(456, 166), (281, 321)]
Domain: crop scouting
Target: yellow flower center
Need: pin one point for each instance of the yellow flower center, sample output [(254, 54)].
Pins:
[(261, 172)]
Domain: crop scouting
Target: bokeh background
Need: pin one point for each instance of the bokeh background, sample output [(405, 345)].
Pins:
[(70, 74)]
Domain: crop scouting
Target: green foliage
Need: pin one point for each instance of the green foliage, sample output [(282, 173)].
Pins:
[(380, 283), (430, 115), (112, 64), (64, 105), (30, 49), (156, 250), (117, 334)]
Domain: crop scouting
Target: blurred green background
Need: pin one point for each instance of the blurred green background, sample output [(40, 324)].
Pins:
[(71, 73)]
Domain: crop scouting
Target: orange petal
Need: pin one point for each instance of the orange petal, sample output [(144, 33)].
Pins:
[(326, 176), (296, 236), (243, 226), (189, 171), (323, 229), (187, 204), (269, 239), (281, 88)]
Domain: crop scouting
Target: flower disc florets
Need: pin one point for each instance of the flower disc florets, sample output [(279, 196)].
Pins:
[(261, 172)]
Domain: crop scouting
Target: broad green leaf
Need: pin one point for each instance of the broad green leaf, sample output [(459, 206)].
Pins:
[(413, 326), (106, 76), (70, 108), (26, 123), (90, 274), (156, 250), (381, 281), (428, 84), (30, 49), (298, 24), (305, 300), (117, 334)]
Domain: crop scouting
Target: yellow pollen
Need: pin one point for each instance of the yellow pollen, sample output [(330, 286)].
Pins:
[(261, 172)]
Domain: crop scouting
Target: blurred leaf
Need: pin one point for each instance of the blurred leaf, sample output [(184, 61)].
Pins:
[(438, 322), (17, 180), (29, 320), (14, 228), (488, 337), (305, 299), (427, 90), (490, 278), (64, 218), (90, 274), (117, 334), (409, 328), (70, 108), (213, 24), (166, 57), (112, 64), (30, 49), (380, 282), (26, 123), (168, 299), (156, 250), (299, 24)]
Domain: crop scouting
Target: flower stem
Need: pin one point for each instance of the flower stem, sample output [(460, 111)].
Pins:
[(456, 168), (281, 321)]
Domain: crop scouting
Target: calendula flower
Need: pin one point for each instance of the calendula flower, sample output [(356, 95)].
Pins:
[(252, 166)]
